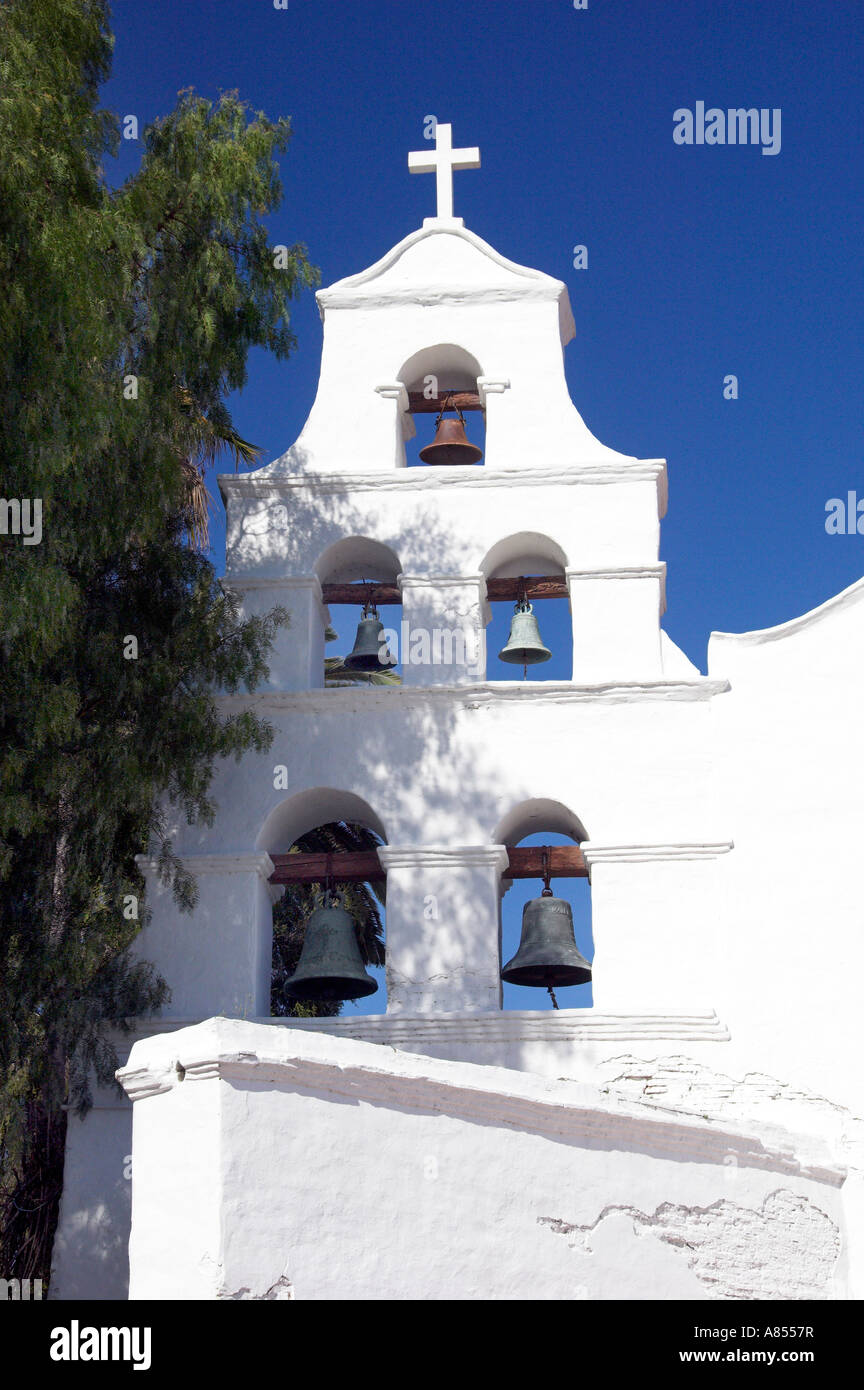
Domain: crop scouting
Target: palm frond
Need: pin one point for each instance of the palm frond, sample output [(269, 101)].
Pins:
[(337, 673), (205, 438)]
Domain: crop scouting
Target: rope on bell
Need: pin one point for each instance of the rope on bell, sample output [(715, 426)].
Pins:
[(547, 893)]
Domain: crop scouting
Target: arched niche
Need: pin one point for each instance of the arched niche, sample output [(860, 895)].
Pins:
[(543, 821), (356, 558), (339, 815), (537, 817), (298, 814), (529, 554), (433, 372), (526, 552), (349, 561), (454, 368)]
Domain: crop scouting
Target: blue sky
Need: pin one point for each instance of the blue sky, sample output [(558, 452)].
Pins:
[(703, 260)]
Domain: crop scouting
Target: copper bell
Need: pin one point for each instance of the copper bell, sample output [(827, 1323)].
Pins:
[(450, 445)]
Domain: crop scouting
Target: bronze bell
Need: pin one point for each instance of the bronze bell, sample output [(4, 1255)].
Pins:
[(330, 965), (370, 653), (548, 954), (450, 445), (524, 646)]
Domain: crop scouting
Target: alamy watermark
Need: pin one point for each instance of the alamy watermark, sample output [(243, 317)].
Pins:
[(735, 126), (437, 646), (77, 1343), (21, 516), (20, 1290), (845, 517)]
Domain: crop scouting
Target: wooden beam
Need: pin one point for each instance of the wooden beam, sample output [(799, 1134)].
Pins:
[(363, 866), (358, 594), (509, 590), (418, 404), (498, 591), (565, 861), (348, 866)]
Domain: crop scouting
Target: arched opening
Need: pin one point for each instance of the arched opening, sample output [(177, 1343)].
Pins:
[(544, 823), (435, 377), (307, 837), (357, 577), (528, 567)]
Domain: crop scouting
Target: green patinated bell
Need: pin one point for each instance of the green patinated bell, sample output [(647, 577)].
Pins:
[(524, 645), (330, 966), (370, 653), (548, 954)]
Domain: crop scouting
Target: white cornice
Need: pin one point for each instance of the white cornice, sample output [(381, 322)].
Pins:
[(240, 583), (522, 1025), (506, 1025), (431, 295), (442, 856), (339, 700), (233, 1051), (440, 581), (640, 854), (257, 862), (620, 572), (491, 386), (268, 483)]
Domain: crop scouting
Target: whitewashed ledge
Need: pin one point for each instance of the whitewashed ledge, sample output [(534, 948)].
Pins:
[(508, 1026), (540, 1025), (537, 1040), (340, 699), (238, 1051)]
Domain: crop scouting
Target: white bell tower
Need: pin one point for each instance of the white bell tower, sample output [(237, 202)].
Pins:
[(638, 758), (440, 764)]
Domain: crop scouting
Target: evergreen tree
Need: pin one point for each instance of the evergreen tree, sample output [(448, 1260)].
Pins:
[(126, 317)]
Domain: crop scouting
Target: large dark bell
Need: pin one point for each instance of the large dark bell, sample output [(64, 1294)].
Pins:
[(370, 653), (524, 646), (450, 445), (548, 954), (331, 966)]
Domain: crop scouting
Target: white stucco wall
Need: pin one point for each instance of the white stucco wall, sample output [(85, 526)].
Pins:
[(788, 770), (91, 1248), (289, 1165)]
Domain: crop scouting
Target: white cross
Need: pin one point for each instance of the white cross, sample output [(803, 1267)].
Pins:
[(441, 162)]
